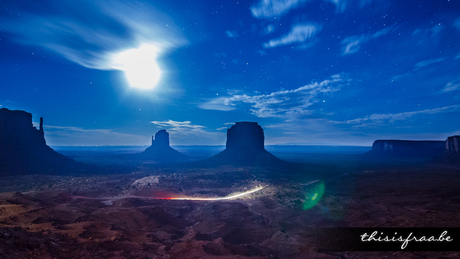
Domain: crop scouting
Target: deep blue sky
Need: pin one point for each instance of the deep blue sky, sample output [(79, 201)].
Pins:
[(336, 72)]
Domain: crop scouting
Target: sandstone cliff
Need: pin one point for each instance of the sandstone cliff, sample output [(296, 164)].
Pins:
[(160, 151), (453, 144), (407, 149), (16, 130), (23, 148), (245, 147), (452, 155)]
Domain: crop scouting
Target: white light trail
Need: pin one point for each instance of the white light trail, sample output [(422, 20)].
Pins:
[(220, 198), (258, 188)]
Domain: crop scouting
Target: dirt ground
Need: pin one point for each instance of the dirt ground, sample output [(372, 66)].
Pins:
[(118, 216)]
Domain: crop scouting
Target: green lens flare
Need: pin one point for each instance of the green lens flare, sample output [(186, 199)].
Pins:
[(314, 195)]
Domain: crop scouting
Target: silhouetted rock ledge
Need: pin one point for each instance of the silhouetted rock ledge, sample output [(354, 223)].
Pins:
[(453, 144), (452, 155), (23, 148), (403, 149), (160, 151), (245, 147)]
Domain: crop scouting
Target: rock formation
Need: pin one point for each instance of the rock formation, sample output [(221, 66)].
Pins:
[(453, 144), (408, 146), (161, 139), (248, 136), (16, 130), (407, 149), (452, 155), (245, 146), (23, 148), (160, 151)]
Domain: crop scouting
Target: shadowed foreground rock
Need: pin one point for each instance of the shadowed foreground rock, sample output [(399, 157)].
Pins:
[(160, 151), (23, 148), (245, 147)]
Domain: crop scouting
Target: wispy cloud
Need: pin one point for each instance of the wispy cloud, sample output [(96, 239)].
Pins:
[(266, 9), (436, 30), (316, 131), (341, 5), (298, 34), (72, 136), (363, 3), (272, 8), (391, 117), (183, 127), (90, 33), (452, 86), (352, 44), (457, 23), (428, 62), (290, 103), (457, 57), (220, 104), (186, 133), (231, 34), (269, 29)]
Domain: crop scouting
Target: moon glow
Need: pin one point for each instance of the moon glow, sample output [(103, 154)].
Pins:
[(140, 66)]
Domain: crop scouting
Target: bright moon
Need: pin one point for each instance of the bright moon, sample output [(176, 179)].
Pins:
[(140, 66)]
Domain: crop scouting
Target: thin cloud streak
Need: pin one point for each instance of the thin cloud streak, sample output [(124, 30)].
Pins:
[(267, 9), (273, 8), (298, 34), (452, 86), (231, 34), (341, 5), (391, 117), (72, 136), (428, 62), (186, 133), (183, 127), (290, 103), (352, 44)]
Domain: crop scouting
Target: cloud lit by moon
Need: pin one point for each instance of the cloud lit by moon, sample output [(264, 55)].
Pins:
[(121, 36)]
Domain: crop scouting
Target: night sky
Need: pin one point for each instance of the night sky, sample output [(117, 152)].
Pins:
[(335, 72)]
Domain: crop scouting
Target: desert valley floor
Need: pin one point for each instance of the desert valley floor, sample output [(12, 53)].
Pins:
[(121, 212)]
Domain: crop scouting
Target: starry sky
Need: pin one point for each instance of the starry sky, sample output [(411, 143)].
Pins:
[(333, 72)]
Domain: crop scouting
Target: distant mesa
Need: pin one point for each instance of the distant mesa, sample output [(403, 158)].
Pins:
[(160, 151), (403, 149), (245, 147), (23, 148), (452, 155), (453, 144)]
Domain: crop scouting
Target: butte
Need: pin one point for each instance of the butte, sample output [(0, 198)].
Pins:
[(245, 147), (160, 151), (23, 149)]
